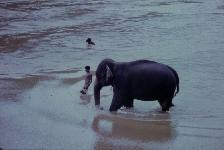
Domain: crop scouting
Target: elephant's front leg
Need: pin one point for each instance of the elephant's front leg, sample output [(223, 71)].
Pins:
[(117, 101)]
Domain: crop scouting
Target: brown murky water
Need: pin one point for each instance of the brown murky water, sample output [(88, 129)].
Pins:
[(42, 55)]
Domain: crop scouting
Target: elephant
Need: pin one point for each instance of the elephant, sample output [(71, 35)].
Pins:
[(141, 79)]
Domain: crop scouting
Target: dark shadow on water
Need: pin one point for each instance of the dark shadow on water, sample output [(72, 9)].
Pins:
[(190, 1), (147, 16), (12, 88), (220, 7), (72, 81), (72, 70), (167, 3)]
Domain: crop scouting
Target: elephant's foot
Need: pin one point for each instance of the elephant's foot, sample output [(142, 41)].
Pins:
[(114, 107), (172, 105), (118, 101), (165, 106), (165, 109)]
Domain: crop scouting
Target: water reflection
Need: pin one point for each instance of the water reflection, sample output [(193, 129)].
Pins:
[(85, 99), (104, 144), (154, 129)]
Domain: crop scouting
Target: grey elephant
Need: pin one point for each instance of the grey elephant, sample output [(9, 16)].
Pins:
[(142, 79)]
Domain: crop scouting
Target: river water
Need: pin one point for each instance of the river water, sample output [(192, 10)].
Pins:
[(43, 53)]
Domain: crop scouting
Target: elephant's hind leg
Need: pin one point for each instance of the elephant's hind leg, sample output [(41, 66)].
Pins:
[(166, 104)]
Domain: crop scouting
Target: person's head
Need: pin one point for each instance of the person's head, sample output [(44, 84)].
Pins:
[(87, 68), (89, 40)]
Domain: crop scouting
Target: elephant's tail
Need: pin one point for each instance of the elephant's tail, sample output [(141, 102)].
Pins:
[(177, 79)]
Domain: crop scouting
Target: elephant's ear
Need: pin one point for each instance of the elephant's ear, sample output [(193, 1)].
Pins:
[(109, 73)]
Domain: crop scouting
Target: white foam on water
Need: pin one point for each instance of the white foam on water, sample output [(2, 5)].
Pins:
[(48, 117)]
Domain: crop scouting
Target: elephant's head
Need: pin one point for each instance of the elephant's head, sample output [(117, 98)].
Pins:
[(104, 77)]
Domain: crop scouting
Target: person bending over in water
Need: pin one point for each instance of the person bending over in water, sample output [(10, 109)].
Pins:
[(88, 80), (89, 43)]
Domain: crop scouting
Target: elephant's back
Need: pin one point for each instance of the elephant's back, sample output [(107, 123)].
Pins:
[(145, 71), (152, 75), (149, 68)]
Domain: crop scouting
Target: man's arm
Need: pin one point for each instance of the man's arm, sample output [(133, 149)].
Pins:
[(88, 81)]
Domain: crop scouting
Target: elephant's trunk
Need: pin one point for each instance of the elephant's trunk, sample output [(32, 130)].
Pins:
[(97, 88)]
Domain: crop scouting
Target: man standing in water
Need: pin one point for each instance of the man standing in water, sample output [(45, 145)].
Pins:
[(88, 80), (89, 43)]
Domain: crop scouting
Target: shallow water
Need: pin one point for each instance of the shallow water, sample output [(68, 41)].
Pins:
[(42, 55)]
